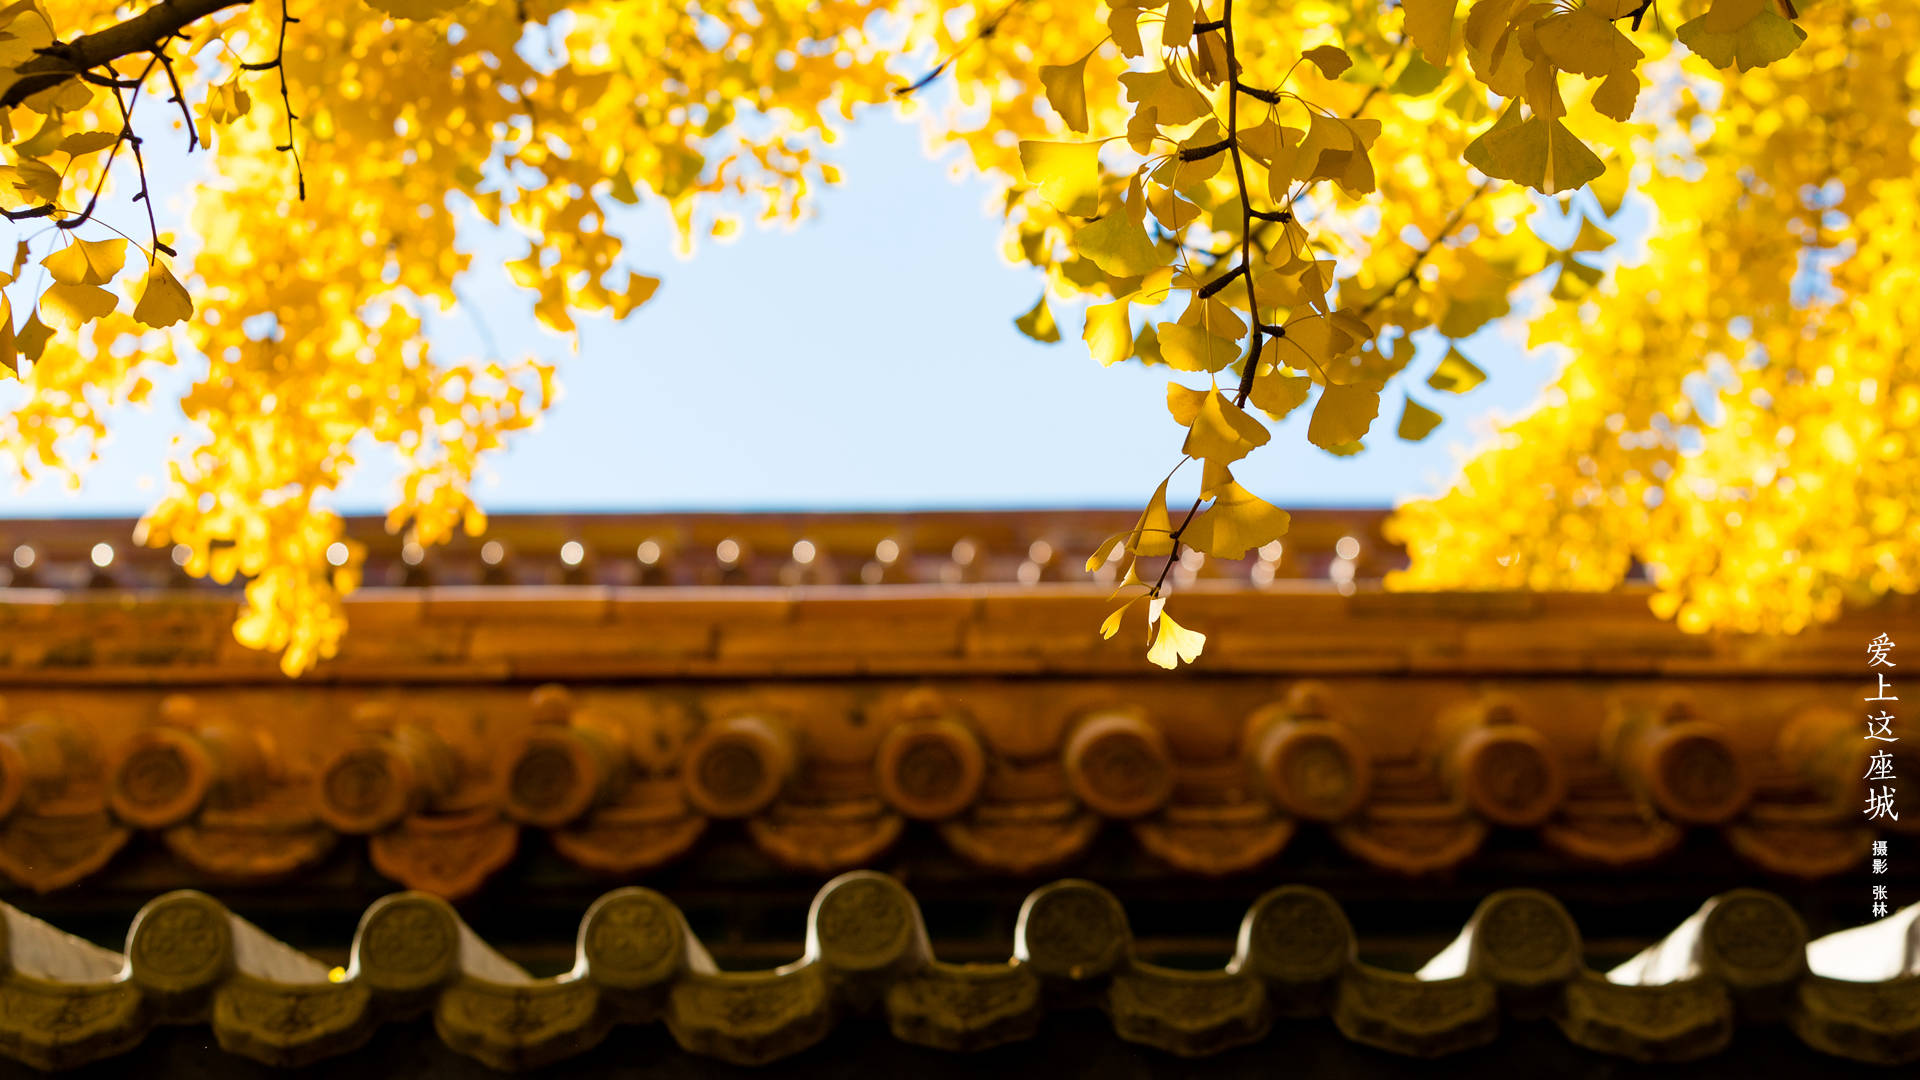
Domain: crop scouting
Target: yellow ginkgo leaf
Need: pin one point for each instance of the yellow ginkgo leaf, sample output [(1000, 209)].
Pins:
[(1303, 281), (1222, 432), (1465, 315), (1174, 102), (1169, 209), (1038, 323), (1192, 348), (88, 142), (1189, 176), (1430, 25), (1336, 149), (1177, 31), (1118, 245), (1741, 34), (228, 102), (1261, 141), (1576, 280), (1143, 129), (1330, 59), (1111, 626), (1586, 43), (9, 353), (1210, 60), (87, 262), (1616, 95), (1214, 477), (1312, 343), (1728, 16), (1282, 149), (1342, 415), (1111, 548), (1456, 374), (1146, 346), (640, 289), (163, 300), (1238, 521), (416, 9), (1184, 403), (1350, 324), (1067, 174), (1153, 533), (27, 184), (1066, 86), (1173, 643), (1130, 579), (1109, 332), (68, 307), (33, 337), (1123, 23), (1592, 238), (1538, 152), (1277, 393), (1215, 316), (1417, 421)]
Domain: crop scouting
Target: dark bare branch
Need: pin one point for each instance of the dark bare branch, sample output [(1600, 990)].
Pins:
[(145, 32)]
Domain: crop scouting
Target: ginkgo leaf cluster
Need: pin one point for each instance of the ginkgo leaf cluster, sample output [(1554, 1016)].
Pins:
[(1291, 208)]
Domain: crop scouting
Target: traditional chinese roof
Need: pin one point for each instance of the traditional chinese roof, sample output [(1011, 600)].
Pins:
[(665, 550), (1741, 968), (624, 729)]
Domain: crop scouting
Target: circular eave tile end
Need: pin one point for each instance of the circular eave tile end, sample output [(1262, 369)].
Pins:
[(1072, 930), (364, 789), (552, 780), (1119, 766), (159, 778), (930, 769)]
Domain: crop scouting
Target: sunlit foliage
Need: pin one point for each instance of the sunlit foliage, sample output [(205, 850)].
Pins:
[(1280, 203)]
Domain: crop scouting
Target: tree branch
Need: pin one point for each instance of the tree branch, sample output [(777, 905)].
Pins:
[(144, 32), (1420, 257), (1234, 89), (986, 30), (1245, 269)]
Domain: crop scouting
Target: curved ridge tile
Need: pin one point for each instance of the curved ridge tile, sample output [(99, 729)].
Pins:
[(751, 1018), (1747, 939), (1741, 959), (41, 951), (291, 1024), (64, 1002), (1665, 1022), (1861, 999), (1298, 942)]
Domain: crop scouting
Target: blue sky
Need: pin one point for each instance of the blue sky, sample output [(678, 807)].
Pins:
[(866, 359)]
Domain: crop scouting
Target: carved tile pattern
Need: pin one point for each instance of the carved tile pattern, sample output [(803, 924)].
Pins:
[(1072, 933)]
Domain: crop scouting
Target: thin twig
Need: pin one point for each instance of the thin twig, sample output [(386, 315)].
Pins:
[(985, 31), (126, 136), (1420, 257), (179, 98), (1246, 204), (1235, 88), (144, 32), (140, 166), (280, 62)]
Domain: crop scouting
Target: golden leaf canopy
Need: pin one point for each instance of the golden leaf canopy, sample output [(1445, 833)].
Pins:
[(1276, 202)]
